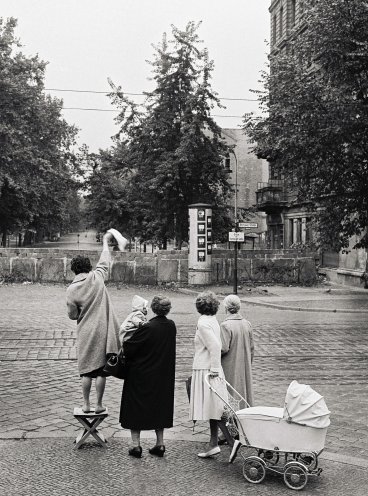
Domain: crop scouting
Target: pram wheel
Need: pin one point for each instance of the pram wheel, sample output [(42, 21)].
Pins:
[(254, 469), (295, 475), (309, 460)]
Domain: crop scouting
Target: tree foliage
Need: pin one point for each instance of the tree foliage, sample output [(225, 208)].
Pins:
[(313, 127), (108, 195), (168, 154), (37, 185)]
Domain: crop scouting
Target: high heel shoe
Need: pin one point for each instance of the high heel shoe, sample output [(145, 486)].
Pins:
[(157, 450), (136, 452)]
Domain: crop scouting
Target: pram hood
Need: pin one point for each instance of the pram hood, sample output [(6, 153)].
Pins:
[(305, 406)]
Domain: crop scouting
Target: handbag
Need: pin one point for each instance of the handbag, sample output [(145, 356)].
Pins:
[(117, 365)]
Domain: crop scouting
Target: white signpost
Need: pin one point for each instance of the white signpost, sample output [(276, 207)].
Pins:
[(236, 236), (248, 225)]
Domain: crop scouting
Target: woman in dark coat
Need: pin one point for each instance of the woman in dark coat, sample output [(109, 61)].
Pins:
[(148, 394)]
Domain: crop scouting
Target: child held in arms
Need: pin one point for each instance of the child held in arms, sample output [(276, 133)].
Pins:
[(135, 319)]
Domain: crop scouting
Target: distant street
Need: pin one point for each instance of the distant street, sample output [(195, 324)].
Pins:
[(82, 240)]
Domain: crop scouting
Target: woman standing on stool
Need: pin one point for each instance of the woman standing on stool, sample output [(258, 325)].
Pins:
[(147, 402), (89, 304), (204, 404)]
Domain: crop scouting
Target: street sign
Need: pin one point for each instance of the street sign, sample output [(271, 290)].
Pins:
[(248, 225), (236, 236)]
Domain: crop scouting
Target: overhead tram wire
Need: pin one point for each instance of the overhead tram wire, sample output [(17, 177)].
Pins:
[(135, 94), (111, 110), (138, 94)]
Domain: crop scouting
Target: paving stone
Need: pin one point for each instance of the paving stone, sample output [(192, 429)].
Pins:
[(39, 389), (51, 467)]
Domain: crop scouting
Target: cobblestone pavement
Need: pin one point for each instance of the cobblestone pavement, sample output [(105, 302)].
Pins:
[(39, 388), (44, 468)]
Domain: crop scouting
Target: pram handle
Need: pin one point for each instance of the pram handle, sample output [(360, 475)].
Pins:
[(226, 402), (206, 378)]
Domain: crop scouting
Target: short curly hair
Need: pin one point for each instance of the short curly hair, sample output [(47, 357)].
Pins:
[(160, 305), (80, 264), (207, 303)]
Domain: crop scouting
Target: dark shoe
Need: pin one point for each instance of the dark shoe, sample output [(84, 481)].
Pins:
[(221, 441), (136, 452), (157, 450)]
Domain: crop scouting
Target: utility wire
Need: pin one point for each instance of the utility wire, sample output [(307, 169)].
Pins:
[(137, 94), (110, 110)]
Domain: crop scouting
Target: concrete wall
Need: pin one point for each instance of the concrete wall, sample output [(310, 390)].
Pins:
[(351, 267), (265, 266)]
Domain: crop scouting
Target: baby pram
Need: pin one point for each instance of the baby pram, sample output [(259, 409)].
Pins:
[(287, 440)]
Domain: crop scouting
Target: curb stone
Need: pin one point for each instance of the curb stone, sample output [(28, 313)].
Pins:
[(284, 307)]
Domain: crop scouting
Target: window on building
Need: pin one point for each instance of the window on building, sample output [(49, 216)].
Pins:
[(308, 230), (227, 164), (281, 28), (274, 28), (292, 12), (298, 230), (275, 174), (291, 232)]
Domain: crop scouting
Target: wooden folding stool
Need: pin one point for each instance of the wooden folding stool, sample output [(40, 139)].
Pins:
[(89, 426)]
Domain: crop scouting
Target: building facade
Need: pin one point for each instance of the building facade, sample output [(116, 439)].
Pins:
[(286, 22), (247, 171), (288, 223)]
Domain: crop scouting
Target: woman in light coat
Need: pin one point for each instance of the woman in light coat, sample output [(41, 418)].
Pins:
[(88, 303), (237, 349), (204, 404)]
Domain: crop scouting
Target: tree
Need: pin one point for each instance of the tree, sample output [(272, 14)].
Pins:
[(173, 149), (108, 203), (36, 162), (313, 127)]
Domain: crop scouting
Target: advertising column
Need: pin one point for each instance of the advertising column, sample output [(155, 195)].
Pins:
[(200, 244)]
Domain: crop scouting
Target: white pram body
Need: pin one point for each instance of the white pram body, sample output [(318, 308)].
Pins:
[(288, 440), (266, 428)]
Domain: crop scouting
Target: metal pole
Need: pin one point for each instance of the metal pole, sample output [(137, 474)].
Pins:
[(235, 289)]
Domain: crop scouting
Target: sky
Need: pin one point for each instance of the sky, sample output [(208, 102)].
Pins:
[(85, 42)]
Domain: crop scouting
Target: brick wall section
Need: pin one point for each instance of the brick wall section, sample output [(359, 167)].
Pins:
[(264, 266)]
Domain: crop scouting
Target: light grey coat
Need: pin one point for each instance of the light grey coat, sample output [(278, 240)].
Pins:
[(89, 304), (237, 350)]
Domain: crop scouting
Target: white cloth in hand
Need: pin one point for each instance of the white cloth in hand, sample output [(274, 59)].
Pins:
[(122, 242)]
